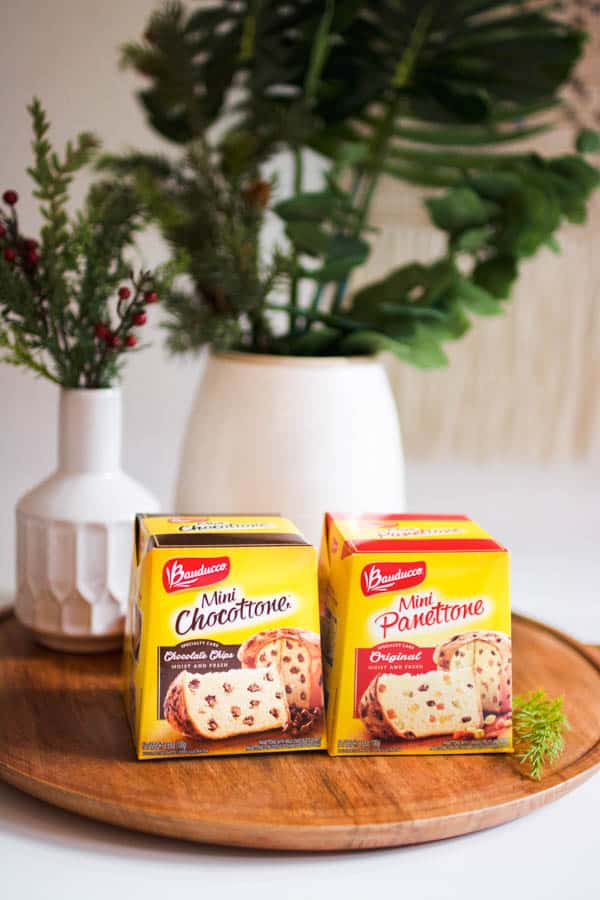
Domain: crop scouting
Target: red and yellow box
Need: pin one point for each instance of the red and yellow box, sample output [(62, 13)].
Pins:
[(416, 636), (222, 644)]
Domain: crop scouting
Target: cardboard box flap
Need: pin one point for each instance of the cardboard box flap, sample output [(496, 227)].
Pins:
[(396, 533), (220, 531)]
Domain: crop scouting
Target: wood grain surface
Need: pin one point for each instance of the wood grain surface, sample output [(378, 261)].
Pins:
[(64, 739)]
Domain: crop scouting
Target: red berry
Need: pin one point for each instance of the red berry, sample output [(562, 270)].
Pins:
[(10, 254), (130, 340), (150, 297), (10, 197), (101, 330), (140, 318), (114, 341), (2, 230), (124, 293), (30, 244), (32, 257)]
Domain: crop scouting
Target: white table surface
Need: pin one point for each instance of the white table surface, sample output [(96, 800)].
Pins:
[(550, 519)]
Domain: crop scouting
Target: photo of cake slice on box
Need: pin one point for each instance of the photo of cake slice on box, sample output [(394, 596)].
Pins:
[(420, 706), (489, 655), (296, 654), (220, 705)]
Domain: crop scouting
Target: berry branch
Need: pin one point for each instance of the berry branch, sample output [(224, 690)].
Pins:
[(70, 302)]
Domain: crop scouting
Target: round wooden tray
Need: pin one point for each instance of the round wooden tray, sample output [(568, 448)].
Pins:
[(64, 739)]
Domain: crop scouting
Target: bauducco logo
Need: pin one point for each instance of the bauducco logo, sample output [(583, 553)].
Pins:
[(379, 578), (183, 574)]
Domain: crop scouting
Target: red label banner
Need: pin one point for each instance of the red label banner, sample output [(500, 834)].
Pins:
[(383, 577), (183, 573), (394, 658)]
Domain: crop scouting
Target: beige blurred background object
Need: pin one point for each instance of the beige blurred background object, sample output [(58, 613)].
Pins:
[(525, 387)]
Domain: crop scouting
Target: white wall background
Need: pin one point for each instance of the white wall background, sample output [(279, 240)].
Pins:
[(525, 387), (66, 52)]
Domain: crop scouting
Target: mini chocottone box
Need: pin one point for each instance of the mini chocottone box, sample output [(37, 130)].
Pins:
[(222, 645), (416, 636)]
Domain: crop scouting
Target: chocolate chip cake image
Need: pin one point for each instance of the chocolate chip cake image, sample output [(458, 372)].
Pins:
[(489, 655), (296, 655), (418, 706), (218, 705)]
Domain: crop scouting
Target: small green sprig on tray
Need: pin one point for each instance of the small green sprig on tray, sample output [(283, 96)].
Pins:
[(70, 300), (539, 723)]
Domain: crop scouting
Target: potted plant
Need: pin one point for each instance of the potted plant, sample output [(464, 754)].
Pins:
[(70, 311), (294, 411)]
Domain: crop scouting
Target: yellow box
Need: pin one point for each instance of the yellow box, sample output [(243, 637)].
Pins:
[(416, 636), (222, 645)]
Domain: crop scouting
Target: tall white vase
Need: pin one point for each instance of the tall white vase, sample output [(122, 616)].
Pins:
[(74, 531), (294, 435)]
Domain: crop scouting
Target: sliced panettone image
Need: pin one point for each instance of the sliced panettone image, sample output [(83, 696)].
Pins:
[(296, 654), (219, 705), (489, 654), (420, 706)]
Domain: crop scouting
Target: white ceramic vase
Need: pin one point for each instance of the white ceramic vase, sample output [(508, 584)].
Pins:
[(294, 435), (74, 531)]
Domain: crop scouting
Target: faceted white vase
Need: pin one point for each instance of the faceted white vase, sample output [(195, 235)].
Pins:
[(296, 435), (74, 531)]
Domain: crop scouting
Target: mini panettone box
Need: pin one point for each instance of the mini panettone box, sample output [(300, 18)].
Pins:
[(416, 636), (222, 644)]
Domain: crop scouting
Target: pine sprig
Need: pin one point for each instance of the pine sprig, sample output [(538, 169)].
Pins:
[(70, 301), (539, 723), (212, 217), (53, 177)]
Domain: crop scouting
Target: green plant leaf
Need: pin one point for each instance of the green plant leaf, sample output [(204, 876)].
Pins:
[(408, 292), (350, 153), (344, 246), (421, 175), (575, 168), (472, 239), (389, 289), (344, 253), (371, 342), (452, 325), (467, 135), (425, 351), (307, 237), (529, 218), (469, 102), (420, 349), (307, 76), (588, 141), (308, 207), (496, 275), (459, 208), (477, 299), (553, 244), (316, 342), (495, 186)]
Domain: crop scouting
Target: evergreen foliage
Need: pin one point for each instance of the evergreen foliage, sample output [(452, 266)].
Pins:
[(539, 723), (426, 92), (69, 301)]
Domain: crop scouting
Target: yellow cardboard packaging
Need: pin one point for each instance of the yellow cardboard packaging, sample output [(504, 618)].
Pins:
[(222, 645), (416, 636)]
